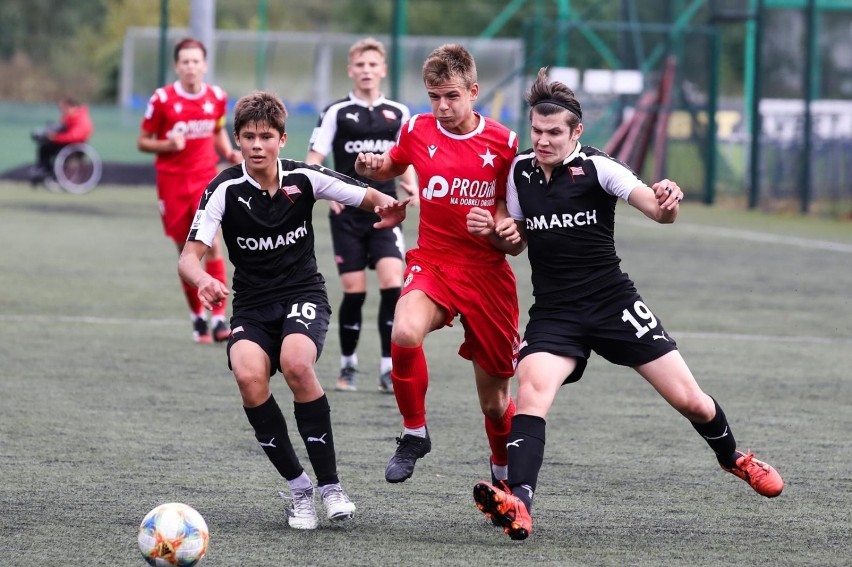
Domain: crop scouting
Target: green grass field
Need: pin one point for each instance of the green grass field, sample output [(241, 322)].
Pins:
[(107, 408)]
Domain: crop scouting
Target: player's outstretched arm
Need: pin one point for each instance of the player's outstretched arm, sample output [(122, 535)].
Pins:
[(660, 202), (378, 166), (391, 211), (211, 291)]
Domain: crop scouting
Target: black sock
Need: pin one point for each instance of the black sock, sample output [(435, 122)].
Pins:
[(350, 322), (270, 430), (387, 306), (718, 435), (314, 422), (526, 454)]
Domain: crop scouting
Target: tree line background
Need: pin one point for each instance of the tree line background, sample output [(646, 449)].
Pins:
[(50, 48)]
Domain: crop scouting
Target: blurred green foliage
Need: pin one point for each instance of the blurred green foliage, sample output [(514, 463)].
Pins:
[(53, 48)]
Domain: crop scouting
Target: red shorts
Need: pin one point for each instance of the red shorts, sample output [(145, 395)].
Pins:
[(486, 300), (179, 195)]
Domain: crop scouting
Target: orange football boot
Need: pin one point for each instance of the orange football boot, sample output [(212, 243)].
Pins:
[(764, 479), (504, 509)]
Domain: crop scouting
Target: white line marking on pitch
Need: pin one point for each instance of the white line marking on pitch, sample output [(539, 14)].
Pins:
[(754, 236)]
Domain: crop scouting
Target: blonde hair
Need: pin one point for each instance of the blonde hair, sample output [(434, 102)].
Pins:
[(447, 62), (366, 44)]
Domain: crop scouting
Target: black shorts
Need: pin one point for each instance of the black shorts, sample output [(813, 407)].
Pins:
[(306, 313), (616, 325), (357, 245)]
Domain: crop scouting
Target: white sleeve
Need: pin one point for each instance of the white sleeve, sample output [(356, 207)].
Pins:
[(322, 136), (615, 178), (512, 203), (206, 223), (332, 186)]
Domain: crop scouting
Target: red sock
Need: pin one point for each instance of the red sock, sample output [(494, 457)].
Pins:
[(191, 294), (410, 377), (498, 431), (216, 269)]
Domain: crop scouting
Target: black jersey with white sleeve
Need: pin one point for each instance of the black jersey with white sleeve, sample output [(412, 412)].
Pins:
[(270, 237), (351, 125), (570, 221)]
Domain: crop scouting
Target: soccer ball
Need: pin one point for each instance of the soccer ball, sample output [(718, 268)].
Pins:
[(173, 534)]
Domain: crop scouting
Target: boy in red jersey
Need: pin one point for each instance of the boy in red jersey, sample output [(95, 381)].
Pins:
[(462, 160), (184, 125)]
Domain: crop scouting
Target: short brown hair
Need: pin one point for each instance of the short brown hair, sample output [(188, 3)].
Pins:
[(366, 44), (189, 43), (260, 107), (449, 61)]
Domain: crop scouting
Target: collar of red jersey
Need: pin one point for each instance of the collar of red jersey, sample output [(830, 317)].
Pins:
[(186, 94)]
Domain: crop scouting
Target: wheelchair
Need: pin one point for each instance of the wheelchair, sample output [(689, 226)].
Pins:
[(76, 169)]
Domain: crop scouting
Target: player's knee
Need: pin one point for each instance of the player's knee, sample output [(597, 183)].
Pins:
[(697, 407), (253, 386), (494, 407), (297, 370), (405, 335)]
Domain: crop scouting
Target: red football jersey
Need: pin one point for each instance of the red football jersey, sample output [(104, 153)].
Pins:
[(456, 173), (198, 116)]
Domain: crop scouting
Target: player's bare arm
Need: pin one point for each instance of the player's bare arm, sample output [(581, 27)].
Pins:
[(503, 233), (661, 202), (378, 166), (223, 146), (147, 142), (391, 211), (210, 290)]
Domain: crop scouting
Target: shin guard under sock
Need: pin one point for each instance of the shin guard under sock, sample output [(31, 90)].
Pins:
[(350, 320), (526, 455), (718, 435), (314, 422), (270, 430), (497, 431), (387, 306), (410, 381)]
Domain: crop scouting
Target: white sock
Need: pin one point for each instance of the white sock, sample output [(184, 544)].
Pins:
[(500, 472), (301, 482), (351, 360), (417, 431), (386, 365)]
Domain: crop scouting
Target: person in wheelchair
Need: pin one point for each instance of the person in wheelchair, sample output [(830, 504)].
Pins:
[(74, 127)]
